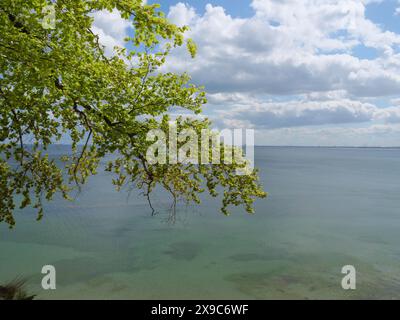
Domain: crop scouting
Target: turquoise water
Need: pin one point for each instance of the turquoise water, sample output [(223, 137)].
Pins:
[(327, 208)]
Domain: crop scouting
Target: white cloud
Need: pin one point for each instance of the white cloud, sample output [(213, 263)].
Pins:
[(289, 47), (395, 102), (289, 70), (181, 14), (390, 115), (111, 29), (314, 21), (315, 109)]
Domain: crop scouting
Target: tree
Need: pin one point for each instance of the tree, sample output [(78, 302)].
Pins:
[(59, 82), (15, 290)]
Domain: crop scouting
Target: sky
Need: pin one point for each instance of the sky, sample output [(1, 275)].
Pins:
[(298, 72)]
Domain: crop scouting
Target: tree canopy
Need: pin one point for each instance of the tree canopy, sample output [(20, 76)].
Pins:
[(58, 82)]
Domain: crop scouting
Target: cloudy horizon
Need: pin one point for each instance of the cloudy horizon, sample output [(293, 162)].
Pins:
[(311, 72)]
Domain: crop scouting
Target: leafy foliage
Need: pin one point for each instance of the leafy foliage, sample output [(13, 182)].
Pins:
[(59, 82), (15, 290)]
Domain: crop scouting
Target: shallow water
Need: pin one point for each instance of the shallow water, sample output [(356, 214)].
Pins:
[(328, 207)]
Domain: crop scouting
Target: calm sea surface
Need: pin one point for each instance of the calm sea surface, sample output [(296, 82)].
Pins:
[(328, 207)]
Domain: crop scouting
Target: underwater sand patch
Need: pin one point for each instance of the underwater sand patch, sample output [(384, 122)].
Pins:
[(183, 250), (259, 285), (242, 257), (270, 285), (86, 269), (268, 254)]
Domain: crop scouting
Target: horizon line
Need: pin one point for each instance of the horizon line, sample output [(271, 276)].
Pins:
[(283, 146)]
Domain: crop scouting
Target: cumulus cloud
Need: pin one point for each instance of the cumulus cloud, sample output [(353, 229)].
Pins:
[(245, 112), (289, 47), (390, 115), (110, 28), (316, 109), (315, 21), (290, 70)]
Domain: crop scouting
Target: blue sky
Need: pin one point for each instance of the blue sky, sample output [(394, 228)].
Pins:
[(311, 72), (236, 8), (382, 13)]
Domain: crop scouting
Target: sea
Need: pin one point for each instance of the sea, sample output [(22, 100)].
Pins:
[(327, 208)]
